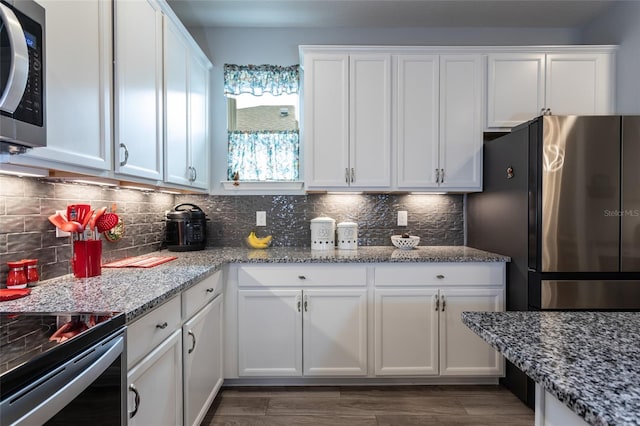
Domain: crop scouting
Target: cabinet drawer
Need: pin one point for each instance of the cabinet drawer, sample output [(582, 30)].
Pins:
[(146, 333), (489, 273), (197, 296), (281, 276)]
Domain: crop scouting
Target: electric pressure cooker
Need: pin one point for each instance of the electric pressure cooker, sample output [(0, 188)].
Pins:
[(186, 228)]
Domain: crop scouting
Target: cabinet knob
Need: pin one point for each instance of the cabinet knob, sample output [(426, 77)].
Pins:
[(440, 277), (136, 394), (162, 326)]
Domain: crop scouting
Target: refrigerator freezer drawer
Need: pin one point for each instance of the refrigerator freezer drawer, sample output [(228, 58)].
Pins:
[(590, 294)]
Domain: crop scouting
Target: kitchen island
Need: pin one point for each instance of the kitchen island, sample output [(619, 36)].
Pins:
[(587, 361), (136, 291)]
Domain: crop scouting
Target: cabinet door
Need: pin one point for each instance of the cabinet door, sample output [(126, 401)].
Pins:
[(326, 120), (269, 333), (462, 352), (157, 382), (78, 86), (198, 120), (416, 118), (460, 122), (406, 332), (579, 83), (176, 57), (515, 88), (138, 68), (202, 357), (335, 332), (370, 120)]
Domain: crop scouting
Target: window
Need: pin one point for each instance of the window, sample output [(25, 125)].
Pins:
[(262, 122)]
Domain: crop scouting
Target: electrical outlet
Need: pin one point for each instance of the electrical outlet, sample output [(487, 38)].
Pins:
[(402, 218), (261, 218), (59, 232)]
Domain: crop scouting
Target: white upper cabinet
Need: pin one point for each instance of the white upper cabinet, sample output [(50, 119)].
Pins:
[(460, 123), (370, 120), (347, 120), (186, 90), (78, 88), (515, 86), (438, 122), (579, 83), (138, 87), (417, 119), (560, 81)]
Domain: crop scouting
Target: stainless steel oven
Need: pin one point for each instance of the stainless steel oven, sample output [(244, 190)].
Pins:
[(62, 369)]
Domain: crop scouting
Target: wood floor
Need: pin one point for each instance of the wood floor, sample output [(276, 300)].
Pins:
[(359, 406)]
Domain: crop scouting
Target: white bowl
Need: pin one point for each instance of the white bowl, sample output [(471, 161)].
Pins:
[(405, 243)]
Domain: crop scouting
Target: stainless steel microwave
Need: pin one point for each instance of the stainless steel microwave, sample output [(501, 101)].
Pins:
[(22, 76)]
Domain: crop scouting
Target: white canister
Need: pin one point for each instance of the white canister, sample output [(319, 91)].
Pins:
[(323, 233), (348, 235)]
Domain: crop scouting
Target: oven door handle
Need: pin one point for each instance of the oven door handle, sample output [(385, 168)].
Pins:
[(44, 398), (12, 94)]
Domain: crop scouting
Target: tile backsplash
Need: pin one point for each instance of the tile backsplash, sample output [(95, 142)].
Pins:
[(25, 232)]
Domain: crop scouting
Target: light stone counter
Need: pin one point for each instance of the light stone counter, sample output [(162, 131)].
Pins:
[(135, 291)]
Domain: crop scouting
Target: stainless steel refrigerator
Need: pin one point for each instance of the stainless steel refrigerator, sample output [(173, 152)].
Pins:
[(562, 198)]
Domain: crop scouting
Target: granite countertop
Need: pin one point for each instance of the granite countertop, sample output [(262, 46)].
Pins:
[(138, 290), (589, 361)]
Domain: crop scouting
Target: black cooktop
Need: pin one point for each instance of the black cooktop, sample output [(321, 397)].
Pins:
[(33, 343)]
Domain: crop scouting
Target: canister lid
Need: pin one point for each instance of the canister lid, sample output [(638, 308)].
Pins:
[(323, 220), (347, 225)]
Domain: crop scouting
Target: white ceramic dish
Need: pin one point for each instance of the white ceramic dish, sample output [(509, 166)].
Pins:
[(405, 243)]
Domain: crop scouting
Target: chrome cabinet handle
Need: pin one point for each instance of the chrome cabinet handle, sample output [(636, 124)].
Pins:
[(136, 400), (346, 174), (193, 341), (439, 277), (444, 303), (437, 175), (195, 174), (306, 303), (162, 326), (299, 303), (437, 302), (302, 277), (353, 175), (441, 175), (126, 155), (209, 290)]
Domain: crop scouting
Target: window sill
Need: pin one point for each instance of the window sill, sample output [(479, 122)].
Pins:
[(259, 186)]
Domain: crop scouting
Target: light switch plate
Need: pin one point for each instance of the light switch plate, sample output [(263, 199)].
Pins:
[(402, 218), (261, 218)]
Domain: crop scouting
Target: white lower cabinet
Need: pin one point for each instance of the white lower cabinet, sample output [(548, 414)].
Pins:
[(272, 323), (418, 329), (155, 386), (202, 360), (174, 357), (295, 321)]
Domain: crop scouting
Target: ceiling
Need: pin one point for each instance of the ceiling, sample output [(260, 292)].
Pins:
[(389, 13)]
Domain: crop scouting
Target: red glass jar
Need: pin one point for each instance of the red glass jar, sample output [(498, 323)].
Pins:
[(31, 270), (16, 278)]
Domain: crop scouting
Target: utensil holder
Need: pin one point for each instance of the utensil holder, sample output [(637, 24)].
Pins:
[(87, 258)]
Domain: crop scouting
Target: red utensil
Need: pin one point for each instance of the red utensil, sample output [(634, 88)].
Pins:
[(94, 219), (66, 225), (107, 221)]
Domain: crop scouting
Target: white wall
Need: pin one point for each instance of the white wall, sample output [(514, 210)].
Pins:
[(279, 46), (621, 26)]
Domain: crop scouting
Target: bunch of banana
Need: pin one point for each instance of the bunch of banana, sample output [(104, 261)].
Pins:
[(258, 243)]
